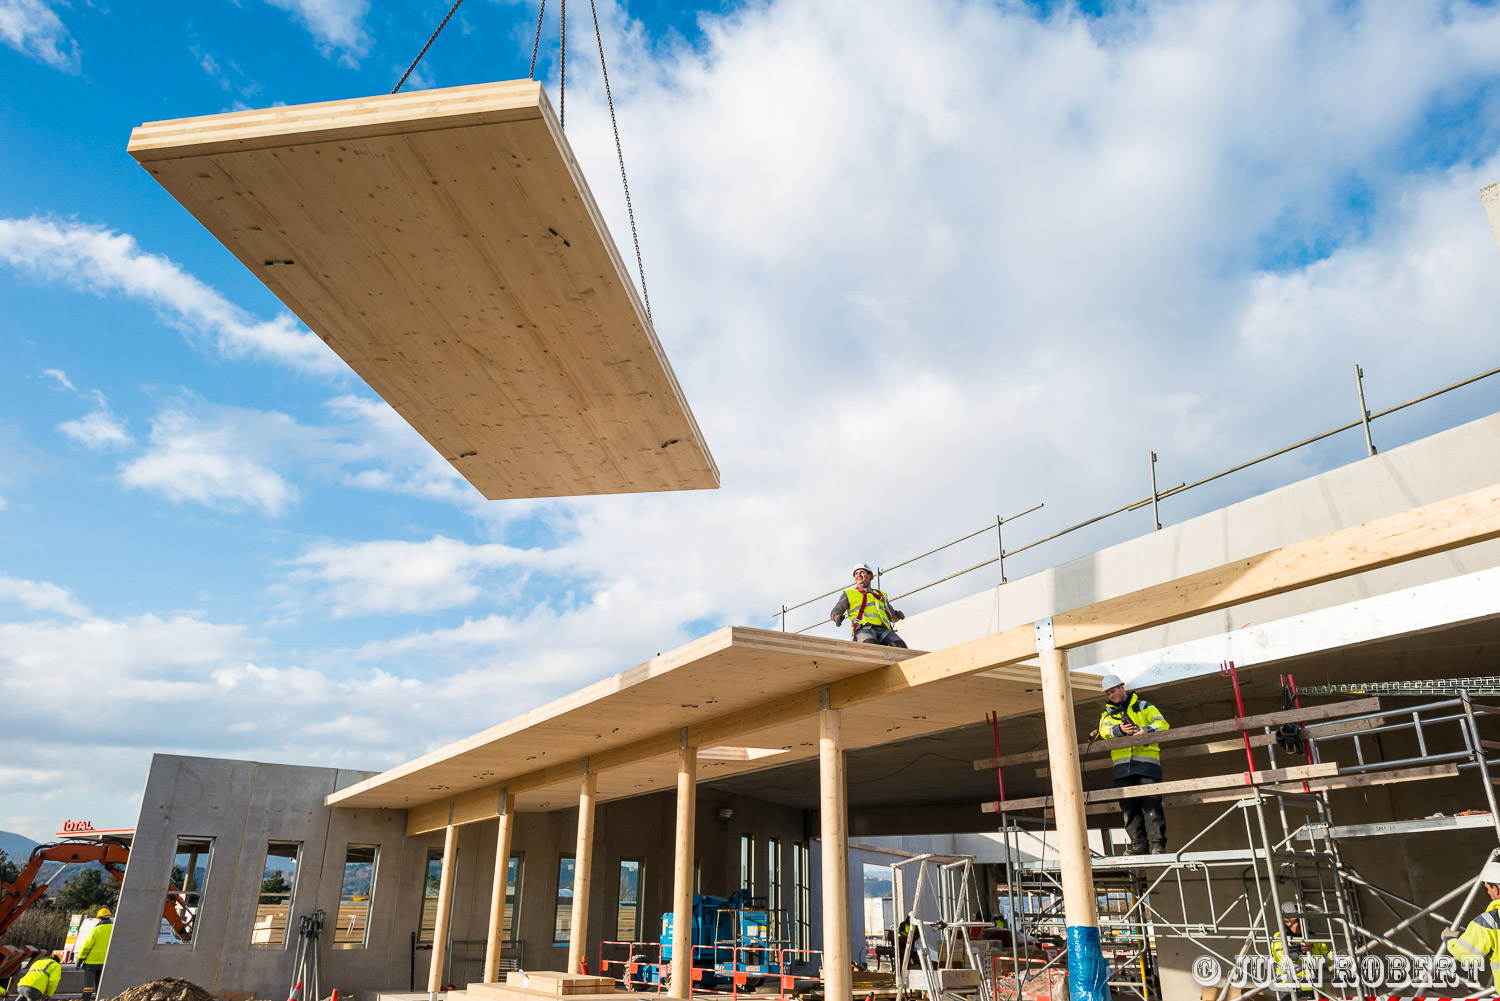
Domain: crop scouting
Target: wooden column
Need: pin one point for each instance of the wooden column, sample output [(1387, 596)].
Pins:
[(837, 979), (583, 859), (496, 937), (444, 905), (682, 871), (1080, 910)]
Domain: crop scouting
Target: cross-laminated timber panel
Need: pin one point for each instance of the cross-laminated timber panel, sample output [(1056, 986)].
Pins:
[(445, 244)]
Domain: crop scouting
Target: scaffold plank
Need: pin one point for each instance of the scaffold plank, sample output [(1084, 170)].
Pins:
[(1261, 777)]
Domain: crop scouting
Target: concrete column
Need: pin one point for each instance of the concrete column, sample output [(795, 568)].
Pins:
[(1086, 972), (583, 864), (444, 905), (837, 979), (496, 936), (682, 871)]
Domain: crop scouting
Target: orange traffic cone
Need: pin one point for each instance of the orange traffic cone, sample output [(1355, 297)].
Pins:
[(296, 992)]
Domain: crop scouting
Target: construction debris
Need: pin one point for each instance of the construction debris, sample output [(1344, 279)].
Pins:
[(167, 989)]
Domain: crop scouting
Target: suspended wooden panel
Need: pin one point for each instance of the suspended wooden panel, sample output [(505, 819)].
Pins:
[(444, 243)]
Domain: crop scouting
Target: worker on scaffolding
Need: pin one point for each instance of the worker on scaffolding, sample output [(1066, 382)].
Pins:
[(1480, 943), (41, 980), (1125, 715), (869, 611), (1300, 949)]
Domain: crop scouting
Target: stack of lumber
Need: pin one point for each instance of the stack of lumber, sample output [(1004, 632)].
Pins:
[(538, 986)]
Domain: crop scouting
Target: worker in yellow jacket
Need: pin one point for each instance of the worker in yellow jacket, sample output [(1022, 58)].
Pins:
[(40, 981), (1301, 949), (869, 611), (1481, 940), (1125, 715), (95, 948)]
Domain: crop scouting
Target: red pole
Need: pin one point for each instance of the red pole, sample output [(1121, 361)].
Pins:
[(1227, 667), (993, 719)]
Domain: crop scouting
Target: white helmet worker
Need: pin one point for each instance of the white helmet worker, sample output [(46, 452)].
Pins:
[(1490, 873), (1289, 907), (1109, 682), (862, 566)]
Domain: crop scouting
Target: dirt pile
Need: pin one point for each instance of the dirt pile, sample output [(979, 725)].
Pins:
[(167, 989)]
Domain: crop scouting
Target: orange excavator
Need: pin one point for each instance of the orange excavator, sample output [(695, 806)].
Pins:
[(111, 853)]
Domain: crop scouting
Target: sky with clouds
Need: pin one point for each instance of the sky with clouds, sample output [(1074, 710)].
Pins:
[(916, 263)]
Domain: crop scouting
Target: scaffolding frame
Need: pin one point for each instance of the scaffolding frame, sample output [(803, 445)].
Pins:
[(1290, 854)]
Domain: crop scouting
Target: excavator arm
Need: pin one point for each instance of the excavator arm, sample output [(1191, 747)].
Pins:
[(18, 895)]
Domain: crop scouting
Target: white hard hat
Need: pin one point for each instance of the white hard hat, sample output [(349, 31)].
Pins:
[(1490, 873), (862, 566), (1110, 681), (1289, 907)]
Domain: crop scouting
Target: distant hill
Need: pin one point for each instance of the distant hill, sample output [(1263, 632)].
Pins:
[(19, 847)]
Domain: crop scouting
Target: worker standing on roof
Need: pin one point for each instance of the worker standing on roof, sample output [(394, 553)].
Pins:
[(92, 953), (1125, 715), (1480, 942), (41, 980), (869, 611)]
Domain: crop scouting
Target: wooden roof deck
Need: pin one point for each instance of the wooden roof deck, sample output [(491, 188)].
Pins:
[(445, 244)]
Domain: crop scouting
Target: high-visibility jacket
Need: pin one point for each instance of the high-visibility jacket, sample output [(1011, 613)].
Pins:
[(1481, 940), (1143, 759), (868, 608), (96, 946), (43, 976), (1313, 949)]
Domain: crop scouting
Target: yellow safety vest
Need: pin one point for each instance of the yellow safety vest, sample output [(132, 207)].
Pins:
[(1313, 949), (43, 976), (867, 608), (1481, 940), (96, 947), (1143, 759)]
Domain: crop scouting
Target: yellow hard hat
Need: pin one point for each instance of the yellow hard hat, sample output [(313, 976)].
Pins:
[(102, 912)]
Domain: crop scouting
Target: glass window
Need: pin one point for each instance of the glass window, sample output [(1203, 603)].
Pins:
[(773, 885), (512, 896), (747, 862), (186, 884), (562, 924), (356, 894), (278, 882), (430, 887), (628, 916), (801, 897)]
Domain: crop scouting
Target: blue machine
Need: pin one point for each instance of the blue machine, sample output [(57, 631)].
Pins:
[(735, 934)]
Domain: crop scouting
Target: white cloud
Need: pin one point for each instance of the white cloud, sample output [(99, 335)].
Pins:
[(104, 261), (336, 24), (33, 28), (41, 596), (97, 429), (190, 460), (60, 377)]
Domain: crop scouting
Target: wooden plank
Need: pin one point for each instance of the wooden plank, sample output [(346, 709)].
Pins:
[(445, 244), (1355, 707), (1360, 780), (1260, 777), (1323, 732)]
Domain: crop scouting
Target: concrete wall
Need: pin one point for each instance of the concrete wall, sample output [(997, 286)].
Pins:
[(243, 805), (1444, 465)]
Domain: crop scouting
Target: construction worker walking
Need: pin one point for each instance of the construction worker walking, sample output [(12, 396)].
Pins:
[(1127, 714), (95, 948), (1480, 941), (40, 980), (869, 611)]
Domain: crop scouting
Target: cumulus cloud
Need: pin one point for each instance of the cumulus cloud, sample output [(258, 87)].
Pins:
[(32, 28), (104, 261), (97, 429), (210, 463), (41, 596), (337, 25)]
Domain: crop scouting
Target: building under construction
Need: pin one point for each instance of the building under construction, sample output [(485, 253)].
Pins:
[(1339, 766)]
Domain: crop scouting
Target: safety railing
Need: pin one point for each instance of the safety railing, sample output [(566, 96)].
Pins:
[(636, 965), (768, 972), (1152, 500)]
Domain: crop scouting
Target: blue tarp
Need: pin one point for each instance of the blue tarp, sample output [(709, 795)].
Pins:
[(1088, 973)]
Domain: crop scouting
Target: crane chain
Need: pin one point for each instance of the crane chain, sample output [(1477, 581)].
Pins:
[(620, 153), (451, 11)]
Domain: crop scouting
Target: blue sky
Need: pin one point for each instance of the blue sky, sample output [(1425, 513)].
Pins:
[(915, 263)]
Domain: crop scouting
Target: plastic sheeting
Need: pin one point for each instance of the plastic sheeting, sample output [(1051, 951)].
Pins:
[(1088, 973)]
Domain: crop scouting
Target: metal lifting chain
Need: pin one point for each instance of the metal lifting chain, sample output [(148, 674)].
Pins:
[(537, 41), (562, 70), (620, 152), (440, 27)]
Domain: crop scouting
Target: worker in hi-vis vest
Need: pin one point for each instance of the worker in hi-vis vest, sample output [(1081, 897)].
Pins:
[(1125, 715), (1301, 951), (40, 980), (1480, 942), (869, 611), (95, 948)]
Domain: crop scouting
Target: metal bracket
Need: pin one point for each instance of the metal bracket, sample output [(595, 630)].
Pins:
[(682, 735), (1044, 639), (825, 699), (585, 764), (504, 795)]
